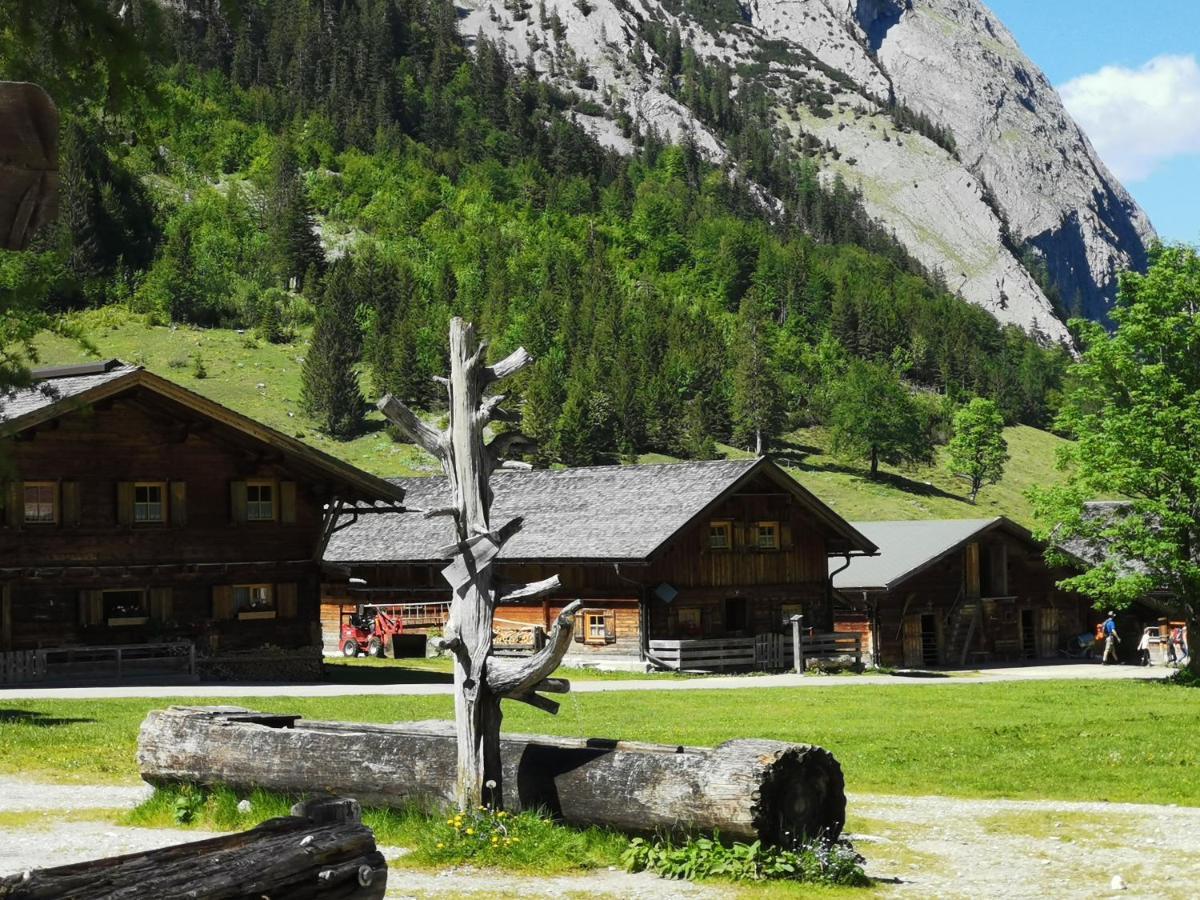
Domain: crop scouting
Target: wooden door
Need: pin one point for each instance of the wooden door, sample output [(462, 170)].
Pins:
[(971, 569), (1048, 632), (913, 653)]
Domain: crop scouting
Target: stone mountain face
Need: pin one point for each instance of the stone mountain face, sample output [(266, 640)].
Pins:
[(1019, 178)]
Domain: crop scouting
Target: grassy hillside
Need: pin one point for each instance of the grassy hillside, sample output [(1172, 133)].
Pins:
[(262, 380)]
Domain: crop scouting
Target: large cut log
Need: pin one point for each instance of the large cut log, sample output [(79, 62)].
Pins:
[(746, 789), (321, 850)]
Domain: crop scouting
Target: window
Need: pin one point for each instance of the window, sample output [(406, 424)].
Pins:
[(593, 623), (260, 501), (689, 621), (40, 506), (149, 502), (125, 607), (767, 536), (254, 601), (720, 535)]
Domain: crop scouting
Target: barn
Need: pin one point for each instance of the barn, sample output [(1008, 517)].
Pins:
[(704, 555), (142, 520), (953, 592)]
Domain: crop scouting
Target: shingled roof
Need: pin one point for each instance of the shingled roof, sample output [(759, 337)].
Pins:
[(64, 389), (909, 547), (597, 513)]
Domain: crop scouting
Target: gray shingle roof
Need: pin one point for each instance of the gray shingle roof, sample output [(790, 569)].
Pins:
[(905, 548), (591, 513), (47, 392)]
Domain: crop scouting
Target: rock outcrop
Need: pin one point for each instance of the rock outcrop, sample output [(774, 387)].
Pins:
[(1019, 177)]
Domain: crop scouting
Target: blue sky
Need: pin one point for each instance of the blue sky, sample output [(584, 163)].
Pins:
[(1129, 74)]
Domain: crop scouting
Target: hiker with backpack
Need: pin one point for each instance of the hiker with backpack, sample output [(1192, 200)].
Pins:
[(1111, 639)]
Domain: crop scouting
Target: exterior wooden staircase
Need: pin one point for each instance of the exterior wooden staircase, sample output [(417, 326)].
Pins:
[(961, 623)]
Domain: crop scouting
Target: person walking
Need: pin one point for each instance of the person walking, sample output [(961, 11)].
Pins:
[(1144, 648), (1111, 639)]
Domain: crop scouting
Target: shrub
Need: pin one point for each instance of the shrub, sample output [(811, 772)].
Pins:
[(819, 861)]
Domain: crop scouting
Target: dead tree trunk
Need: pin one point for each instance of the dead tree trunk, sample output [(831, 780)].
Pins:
[(480, 679), (321, 850), (745, 789)]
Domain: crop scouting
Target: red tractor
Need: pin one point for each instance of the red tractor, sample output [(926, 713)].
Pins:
[(369, 630)]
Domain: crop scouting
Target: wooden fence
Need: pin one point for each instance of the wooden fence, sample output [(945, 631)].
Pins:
[(766, 652), (81, 663)]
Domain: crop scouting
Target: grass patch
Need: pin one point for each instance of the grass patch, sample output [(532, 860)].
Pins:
[(1116, 741), (262, 380), (43, 819), (1096, 830), (526, 842)]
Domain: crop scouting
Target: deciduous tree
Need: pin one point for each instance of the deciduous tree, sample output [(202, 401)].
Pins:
[(978, 450), (1135, 414), (872, 414)]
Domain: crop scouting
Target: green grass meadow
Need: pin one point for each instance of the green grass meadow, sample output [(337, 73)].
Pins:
[(1068, 740), (262, 380)]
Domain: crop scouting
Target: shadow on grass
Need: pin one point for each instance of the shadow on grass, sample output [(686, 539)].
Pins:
[(797, 455), (397, 674), (36, 719)]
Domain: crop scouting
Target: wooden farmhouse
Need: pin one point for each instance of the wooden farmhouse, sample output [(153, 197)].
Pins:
[(700, 553), (957, 591), (137, 512)]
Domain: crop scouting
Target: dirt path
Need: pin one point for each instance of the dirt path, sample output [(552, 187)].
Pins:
[(916, 846), (942, 847), (992, 675)]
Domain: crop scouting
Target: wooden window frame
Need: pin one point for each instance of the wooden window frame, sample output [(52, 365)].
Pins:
[(590, 618), (726, 527), (758, 531), (687, 629), (163, 504), (119, 621), (55, 504), (251, 614), (258, 484)]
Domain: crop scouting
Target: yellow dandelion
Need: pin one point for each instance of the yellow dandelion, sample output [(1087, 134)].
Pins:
[(501, 814), (440, 845), (449, 821), (495, 840), (516, 840), (470, 831)]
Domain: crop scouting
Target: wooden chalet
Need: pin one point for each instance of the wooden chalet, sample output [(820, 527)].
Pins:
[(138, 512), (954, 592), (691, 552)]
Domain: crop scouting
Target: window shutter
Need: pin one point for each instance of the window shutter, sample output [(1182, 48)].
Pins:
[(579, 632), (785, 536), (237, 501), (178, 508), (6, 617), (285, 600), (610, 626), (161, 608), (69, 509), (222, 601), (125, 502), (739, 535), (752, 536), (91, 608), (287, 502), (14, 507)]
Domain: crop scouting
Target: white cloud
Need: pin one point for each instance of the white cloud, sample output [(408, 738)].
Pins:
[(1139, 118)]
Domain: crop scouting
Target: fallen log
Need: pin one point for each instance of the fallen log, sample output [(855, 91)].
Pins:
[(322, 849), (746, 789)]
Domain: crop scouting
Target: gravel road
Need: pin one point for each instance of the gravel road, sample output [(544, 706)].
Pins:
[(916, 846)]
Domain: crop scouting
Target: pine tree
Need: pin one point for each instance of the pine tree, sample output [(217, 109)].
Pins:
[(329, 389), (757, 404), (291, 226)]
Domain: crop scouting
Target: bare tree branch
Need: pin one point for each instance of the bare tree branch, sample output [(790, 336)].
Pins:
[(510, 365), (527, 591), (514, 464), (429, 439), (516, 678)]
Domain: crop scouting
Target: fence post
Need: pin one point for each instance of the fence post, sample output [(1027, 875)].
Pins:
[(797, 644)]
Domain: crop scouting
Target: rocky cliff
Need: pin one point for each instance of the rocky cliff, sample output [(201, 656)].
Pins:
[(999, 183)]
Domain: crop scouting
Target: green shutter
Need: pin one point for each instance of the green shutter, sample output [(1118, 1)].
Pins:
[(14, 506), (178, 508), (70, 509), (287, 502), (91, 608), (237, 501), (125, 502), (161, 607)]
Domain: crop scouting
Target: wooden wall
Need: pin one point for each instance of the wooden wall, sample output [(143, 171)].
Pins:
[(1055, 614), (128, 439), (768, 582)]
